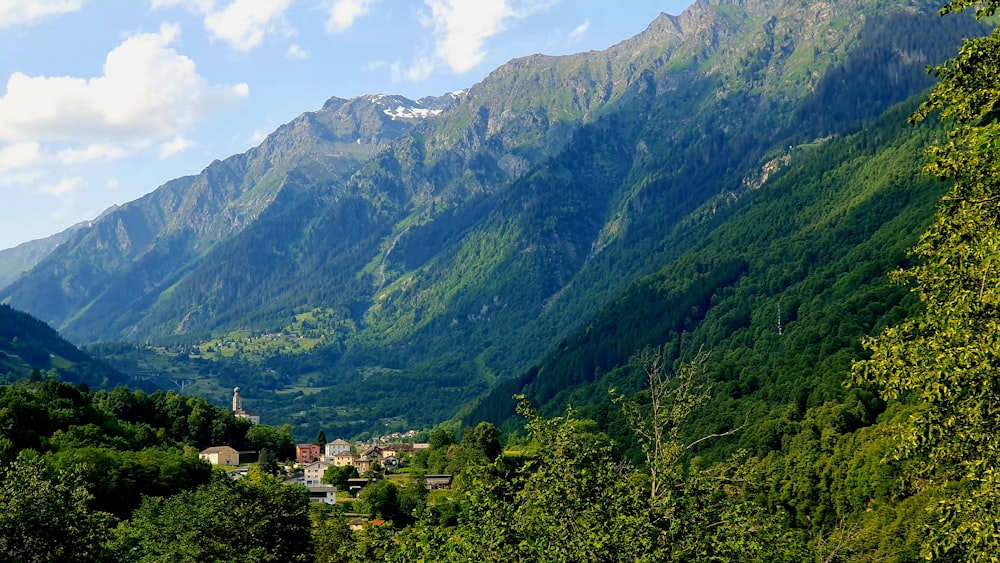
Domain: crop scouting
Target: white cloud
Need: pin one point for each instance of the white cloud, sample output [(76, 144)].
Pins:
[(174, 146), (148, 91), (460, 29), (64, 186), (344, 12), (242, 24), (296, 51), (29, 12), (196, 6), (19, 155), (418, 71), (579, 31), (100, 151), (112, 184), (21, 178), (257, 137)]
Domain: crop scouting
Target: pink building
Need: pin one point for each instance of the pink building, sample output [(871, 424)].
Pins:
[(306, 453)]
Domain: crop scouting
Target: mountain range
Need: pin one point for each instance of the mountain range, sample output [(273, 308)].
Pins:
[(728, 175)]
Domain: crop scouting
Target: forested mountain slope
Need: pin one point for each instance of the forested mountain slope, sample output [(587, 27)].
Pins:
[(394, 285), (31, 349), (778, 294)]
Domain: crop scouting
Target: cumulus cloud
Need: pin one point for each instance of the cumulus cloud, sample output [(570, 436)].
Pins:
[(344, 12), (174, 146), (579, 31), (460, 29), (21, 178), (296, 51), (19, 155), (148, 91), (242, 24), (18, 13), (99, 151), (64, 186)]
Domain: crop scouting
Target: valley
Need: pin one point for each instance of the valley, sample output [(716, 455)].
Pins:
[(734, 268)]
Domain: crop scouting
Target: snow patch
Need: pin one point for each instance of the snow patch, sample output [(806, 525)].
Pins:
[(403, 112)]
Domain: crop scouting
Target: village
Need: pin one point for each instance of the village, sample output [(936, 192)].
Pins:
[(369, 462)]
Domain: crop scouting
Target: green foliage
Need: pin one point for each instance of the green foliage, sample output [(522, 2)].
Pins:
[(257, 518), (45, 515), (28, 346), (942, 357), (338, 476), (277, 441), (568, 499)]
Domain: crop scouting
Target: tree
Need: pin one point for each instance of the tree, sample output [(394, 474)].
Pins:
[(267, 462), (338, 476), (670, 404), (440, 439), (257, 518), (380, 499), (320, 440), (944, 358), (45, 516), (333, 539), (277, 440)]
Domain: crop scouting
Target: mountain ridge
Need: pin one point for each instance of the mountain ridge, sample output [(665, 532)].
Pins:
[(457, 253)]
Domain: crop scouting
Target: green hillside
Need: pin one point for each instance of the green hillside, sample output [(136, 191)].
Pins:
[(30, 349), (386, 288)]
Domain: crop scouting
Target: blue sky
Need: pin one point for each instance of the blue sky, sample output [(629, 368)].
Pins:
[(102, 101)]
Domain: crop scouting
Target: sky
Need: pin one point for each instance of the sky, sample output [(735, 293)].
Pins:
[(105, 100)]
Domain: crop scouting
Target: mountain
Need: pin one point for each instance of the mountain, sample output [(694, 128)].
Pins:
[(777, 295), (23, 257), (31, 349), (383, 261)]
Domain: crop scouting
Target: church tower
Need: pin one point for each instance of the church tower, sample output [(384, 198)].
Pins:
[(238, 408)]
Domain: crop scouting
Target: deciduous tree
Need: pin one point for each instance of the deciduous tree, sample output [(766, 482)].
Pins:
[(946, 357)]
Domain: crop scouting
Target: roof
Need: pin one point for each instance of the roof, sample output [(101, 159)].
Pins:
[(217, 449), (340, 442)]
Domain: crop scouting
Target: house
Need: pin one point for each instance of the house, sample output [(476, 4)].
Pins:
[(344, 458), (372, 453), (437, 482), (314, 472), (323, 493), (393, 450), (337, 446), (220, 455), (306, 453), (355, 484), (362, 464), (390, 462)]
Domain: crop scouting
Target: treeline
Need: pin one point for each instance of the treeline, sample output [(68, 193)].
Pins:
[(561, 495), (122, 445)]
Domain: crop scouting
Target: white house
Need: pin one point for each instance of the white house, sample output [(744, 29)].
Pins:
[(314, 472), (335, 447), (323, 493)]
